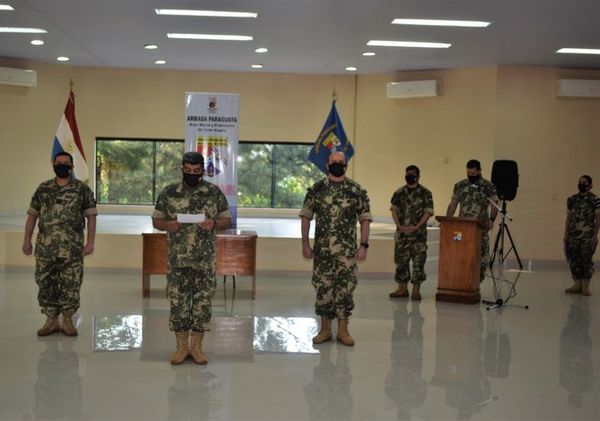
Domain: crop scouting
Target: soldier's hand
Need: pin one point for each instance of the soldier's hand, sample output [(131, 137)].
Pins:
[(410, 230), (88, 249), (361, 253), (27, 249), (208, 224), (307, 252), (172, 226)]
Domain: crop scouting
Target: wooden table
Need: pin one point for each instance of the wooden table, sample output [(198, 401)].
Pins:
[(236, 255)]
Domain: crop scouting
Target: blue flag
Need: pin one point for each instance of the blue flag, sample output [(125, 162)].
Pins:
[(332, 138)]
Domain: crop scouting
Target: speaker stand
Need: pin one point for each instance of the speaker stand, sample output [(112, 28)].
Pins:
[(499, 301)]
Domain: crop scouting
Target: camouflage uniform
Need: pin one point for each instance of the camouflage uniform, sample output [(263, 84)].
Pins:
[(581, 244), (410, 204), (59, 245), (474, 203), (337, 206), (191, 278)]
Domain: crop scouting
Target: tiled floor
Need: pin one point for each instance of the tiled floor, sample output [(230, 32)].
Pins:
[(424, 361)]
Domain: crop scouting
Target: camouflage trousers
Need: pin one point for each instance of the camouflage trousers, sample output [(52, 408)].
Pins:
[(580, 258), (406, 249), (334, 279), (190, 292), (485, 255), (59, 281)]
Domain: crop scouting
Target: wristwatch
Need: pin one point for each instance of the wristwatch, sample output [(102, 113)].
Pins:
[(365, 245)]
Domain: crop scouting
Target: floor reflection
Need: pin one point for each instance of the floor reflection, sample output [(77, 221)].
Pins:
[(497, 354), (57, 391), (234, 337), (575, 350), (329, 396), (197, 394), (404, 383), (285, 334), (118, 333), (459, 360)]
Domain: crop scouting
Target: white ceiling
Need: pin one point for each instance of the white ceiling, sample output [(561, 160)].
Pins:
[(305, 36)]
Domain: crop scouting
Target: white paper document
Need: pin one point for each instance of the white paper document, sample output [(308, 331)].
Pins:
[(190, 218)]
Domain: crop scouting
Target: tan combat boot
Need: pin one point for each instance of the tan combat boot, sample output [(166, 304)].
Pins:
[(575, 288), (196, 348), (416, 292), (67, 325), (585, 287), (400, 292), (51, 326), (324, 334), (182, 351), (343, 335)]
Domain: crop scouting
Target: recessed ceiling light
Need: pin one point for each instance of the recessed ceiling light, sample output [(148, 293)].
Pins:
[(368, 53), (150, 46), (257, 66), (579, 51), (160, 62), (351, 68), (439, 22), (8, 29), (6, 7), (206, 13), (213, 37), (37, 42), (62, 58), (408, 44), (261, 50)]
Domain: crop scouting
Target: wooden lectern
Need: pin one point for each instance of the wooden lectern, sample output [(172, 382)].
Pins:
[(460, 258)]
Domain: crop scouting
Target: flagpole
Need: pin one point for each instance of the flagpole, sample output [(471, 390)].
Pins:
[(354, 118), (71, 83)]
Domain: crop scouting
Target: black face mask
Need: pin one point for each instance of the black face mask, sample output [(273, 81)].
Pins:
[(191, 179), (62, 170), (336, 169), (583, 187), (411, 179), (473, 178)]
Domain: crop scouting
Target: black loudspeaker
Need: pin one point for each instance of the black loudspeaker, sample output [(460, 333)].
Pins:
[(505, 175)]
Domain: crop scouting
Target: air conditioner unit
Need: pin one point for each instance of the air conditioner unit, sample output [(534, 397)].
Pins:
[(579, 87), (414, 89), (18, 77)]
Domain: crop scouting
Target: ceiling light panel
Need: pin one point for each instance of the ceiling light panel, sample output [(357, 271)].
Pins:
[(440, 22), (205, 13), (12, 30), (407, 44), (579, 51), (213, 37), (6, 7)]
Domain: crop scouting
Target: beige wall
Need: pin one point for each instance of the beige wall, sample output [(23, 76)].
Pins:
[(486, 113)]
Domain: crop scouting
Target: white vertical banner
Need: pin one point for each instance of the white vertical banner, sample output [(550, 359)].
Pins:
[(212, 128)]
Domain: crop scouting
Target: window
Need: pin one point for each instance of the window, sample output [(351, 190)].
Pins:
[(274, 175), (135, 171)]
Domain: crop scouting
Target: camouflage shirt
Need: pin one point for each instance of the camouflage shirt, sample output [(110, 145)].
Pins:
[(473, 198), (191, 246), (585, 209), (410, 204), (61, 211), (337, 206)]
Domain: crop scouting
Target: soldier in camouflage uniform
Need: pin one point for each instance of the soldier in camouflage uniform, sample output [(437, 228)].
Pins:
[(191, 278), (412, 206), (581, 235), (474, 194), (60, 206), (337, 203)]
